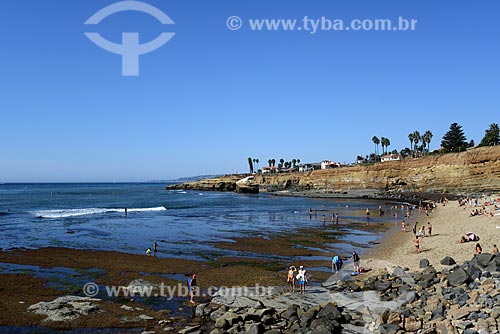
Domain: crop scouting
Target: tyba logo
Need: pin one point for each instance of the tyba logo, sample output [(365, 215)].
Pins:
[(130, 49)]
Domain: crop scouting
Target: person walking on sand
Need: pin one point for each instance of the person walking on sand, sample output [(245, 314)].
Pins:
[(302, 279), (429, 228), (415, 225), (291, 278), (403, 226), (417, 241), (355, 259), (155, 248), (191, 281)]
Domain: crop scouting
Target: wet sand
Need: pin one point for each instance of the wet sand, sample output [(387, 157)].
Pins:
[(449, 223)]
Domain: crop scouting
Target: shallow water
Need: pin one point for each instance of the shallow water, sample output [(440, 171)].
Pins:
[(185, 224)]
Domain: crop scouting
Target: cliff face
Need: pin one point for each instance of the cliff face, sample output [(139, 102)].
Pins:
[(477, 170)]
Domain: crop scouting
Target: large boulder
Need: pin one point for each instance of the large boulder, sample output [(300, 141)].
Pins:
[(448, 261), (424, 263), (330, 312), (458, 276), (484, 259)]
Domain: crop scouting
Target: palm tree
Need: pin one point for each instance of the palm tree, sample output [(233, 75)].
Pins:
[(428, 138), (282, 161), (382, 142), (411, 137), (270, 162), (294, 162), (376, 141), (387, 144), (257, 161), (273, 161), (298, 161), (416, 139), (250, 164)]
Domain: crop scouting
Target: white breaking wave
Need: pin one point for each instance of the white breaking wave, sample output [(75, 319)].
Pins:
[(64, 213)]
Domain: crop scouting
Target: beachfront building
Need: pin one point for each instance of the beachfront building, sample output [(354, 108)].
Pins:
[(269, 170), (327, 164), (391, 157), (309, 167)]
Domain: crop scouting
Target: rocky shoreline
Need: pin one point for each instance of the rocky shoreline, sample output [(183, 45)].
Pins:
[(463, 299)]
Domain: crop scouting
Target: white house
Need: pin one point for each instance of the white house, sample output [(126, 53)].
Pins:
[(391, 157), (327, 164), (309, 167)]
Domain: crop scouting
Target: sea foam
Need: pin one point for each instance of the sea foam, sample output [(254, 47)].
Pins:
[(65, 213)]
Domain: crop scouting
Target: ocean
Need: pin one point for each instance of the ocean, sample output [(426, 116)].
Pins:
[(185, 224)]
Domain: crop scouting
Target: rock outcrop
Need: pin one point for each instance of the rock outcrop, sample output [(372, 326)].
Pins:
[(66, 308)]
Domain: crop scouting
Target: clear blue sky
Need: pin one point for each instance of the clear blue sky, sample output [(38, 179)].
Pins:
[(212, 97)]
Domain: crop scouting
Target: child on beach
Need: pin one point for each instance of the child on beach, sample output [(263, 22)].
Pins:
[(403, 226), (429, 228), (148, 251), (291, 278), (421, 231)]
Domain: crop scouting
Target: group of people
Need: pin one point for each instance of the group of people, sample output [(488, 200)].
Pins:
[(295, 276), (418, 233), (337, 263)]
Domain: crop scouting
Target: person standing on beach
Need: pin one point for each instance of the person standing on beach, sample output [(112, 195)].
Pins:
[(417, 244), (495, 249), (324, 220), (291, 278), (191, 286), (355, 258), (155, 245), (337, 219), (429, 228), (302, 279), (403, 226), (415, 225)]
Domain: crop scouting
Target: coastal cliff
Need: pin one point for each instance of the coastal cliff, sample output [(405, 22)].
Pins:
[(474, 171)]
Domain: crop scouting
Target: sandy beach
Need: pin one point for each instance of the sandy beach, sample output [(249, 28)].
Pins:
[(449, 223)]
